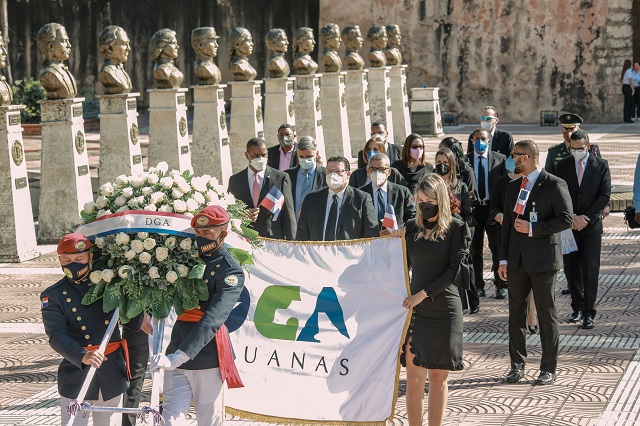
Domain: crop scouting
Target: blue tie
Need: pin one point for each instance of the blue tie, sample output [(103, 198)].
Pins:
[(380, 206), (482, 190)]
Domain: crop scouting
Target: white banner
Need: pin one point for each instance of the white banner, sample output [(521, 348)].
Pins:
[(318, 330)]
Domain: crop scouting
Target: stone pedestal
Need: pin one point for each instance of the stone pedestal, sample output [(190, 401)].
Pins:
[(17, 233), (425, 112), (119, 145), (358, 113), (333, 100), (65, 183), (380, 99), (278, 107), (307, 105), (246, 119), (168, 132), (210, 152), (400, 103)]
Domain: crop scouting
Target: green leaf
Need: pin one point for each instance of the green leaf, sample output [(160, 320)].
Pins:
[(177, 303), (202, 289), (197, 271), (249, 233), (124, 318), (94, 294), (135, 308), (242, 256), (111, 297), (164, 307)]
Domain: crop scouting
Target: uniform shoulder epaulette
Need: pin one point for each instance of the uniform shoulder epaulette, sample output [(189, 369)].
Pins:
[(555, 146)]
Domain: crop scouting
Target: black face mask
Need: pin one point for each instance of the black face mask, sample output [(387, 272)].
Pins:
[(77, 271), (442, 169), (428, 210), (206, 247)]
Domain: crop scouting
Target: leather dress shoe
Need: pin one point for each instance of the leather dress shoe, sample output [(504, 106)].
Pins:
[(480, 292), (575, 316), (501, 293), (533, 329), (565, 291), (474, 310), (546, 378), (514, 376), (588, 323)]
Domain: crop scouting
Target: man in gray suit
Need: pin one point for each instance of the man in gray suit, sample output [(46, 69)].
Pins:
[(308, 175)]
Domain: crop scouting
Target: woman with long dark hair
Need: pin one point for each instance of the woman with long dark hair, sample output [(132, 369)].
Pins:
[(414, 160)]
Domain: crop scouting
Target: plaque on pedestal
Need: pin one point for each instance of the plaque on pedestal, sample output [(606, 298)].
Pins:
[(400, 103), (119, 145), (168, 132), (210, 147), (307, 105), (425, 111), (17, 233), (65, 183), (246, 119), (333, 100), (278, 107), (380, 99), (358, 109)]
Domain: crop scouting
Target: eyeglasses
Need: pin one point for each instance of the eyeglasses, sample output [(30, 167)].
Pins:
[(338, 172), (487, 117), (379, 169), (517, 154)]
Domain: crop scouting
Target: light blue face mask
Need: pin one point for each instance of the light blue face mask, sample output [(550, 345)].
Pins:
[(307, 163), (510, 165), (480, 146), (371, 154)]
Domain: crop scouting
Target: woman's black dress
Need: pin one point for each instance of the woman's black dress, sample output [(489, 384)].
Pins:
[(436, 323), (412, 174)]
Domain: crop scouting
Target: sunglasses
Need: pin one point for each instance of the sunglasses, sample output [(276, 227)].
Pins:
[(517, 154), (487, 117)]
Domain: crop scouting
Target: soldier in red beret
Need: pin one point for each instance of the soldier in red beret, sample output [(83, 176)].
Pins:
[(199, 357)]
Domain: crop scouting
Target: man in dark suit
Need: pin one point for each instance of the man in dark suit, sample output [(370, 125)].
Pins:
[(308, 175), (384, 192), (394, 152), (339, 212), (531, 251), (488, 166), (589, 182), (283, 156), (252, 184), (501, 141)]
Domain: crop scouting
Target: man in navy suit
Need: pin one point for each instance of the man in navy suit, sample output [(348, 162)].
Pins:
[(283, 156), (394, 152), (308, 175), (500, 140), (589, 182), (252, 184)]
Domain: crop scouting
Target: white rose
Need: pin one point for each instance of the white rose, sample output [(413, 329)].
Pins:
[(102, 213), (165, 208), (222, 203), (147, 190), (198, 197), (99, 241), (199, 184), (206, 178), (150, 207), (107, 275), (137, 246), (176, 193), (122, 273), (183, 185), (175, 174), (213, 182), (172, 277), (142, 235), (137, 181), (133, 202), (89, 207), (157, 197), (120, 201), (183, 271), (79, 221), (129, 254), (170, 242), (229, 198), (211, 197), (153, 272), (122, 239), (127, 192), (192, 205), (152, 178), (166, 182), (179, 206), (153, 170), (106, 189), (188, 214), (185, 244), (163, 166), (102, 202), (236, 224), (149, 243), (122, 180), (144, 257), (95, 277), (122, 209), (162, 253)]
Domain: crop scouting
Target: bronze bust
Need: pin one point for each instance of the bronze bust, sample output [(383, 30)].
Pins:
[(205, 42), (239, 50), (115, 49), (303, 44), (377, 36), (352, 39), (330, 35), (5, 89), (55, 77), (277, 45), (164, 50), (392, 51)]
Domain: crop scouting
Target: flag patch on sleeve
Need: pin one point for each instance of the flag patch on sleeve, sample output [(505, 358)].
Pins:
[(45, 301)]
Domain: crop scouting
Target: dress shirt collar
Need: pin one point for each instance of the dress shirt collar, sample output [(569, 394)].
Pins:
[(383, 187), (584, 160), (339, 194), (485, 154), (260, 173), (533, 177)]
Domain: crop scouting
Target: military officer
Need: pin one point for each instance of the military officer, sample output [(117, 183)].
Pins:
[(75, 332), (199, 357), (570, 123)]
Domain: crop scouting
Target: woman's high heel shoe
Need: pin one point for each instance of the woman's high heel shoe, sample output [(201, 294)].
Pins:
[(533, 329)]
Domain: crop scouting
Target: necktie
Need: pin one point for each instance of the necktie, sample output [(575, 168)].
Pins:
[(255, 192), (380, 206), (330, 231), (580, 171), (482, 191), (306, 186), (524, 183)]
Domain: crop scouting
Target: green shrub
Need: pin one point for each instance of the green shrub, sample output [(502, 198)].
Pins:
[(28, 93)]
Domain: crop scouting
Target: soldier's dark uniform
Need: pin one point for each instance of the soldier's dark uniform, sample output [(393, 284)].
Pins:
[(561, 150)]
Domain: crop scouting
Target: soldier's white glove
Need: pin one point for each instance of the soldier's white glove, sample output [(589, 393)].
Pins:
[(168, 362)]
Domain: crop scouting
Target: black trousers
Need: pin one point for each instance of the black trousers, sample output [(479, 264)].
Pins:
[(582, 269), (481, 215), (138, 344), (636, 101), (493, 235), (543, 284), (629, 104), (470, 299)]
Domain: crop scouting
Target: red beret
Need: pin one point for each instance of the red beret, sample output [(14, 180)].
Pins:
[(74, 243), (210, 216)]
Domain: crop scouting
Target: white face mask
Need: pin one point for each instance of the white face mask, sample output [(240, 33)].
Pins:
[(259, 163), (486, 125), (378, 178), (578, 154), (334, 181)]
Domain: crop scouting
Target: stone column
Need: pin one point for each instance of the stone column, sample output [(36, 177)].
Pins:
[(425, 111), (307, 105), (17, 233), (400, 103), (333, 100), (119, 145), (278, 107), (210, 152), (168, 132), (358, 113), (246, 119), (65, 183), (380, 99)]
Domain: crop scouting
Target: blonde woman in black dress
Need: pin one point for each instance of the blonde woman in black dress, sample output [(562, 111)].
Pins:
[(436, 244)]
